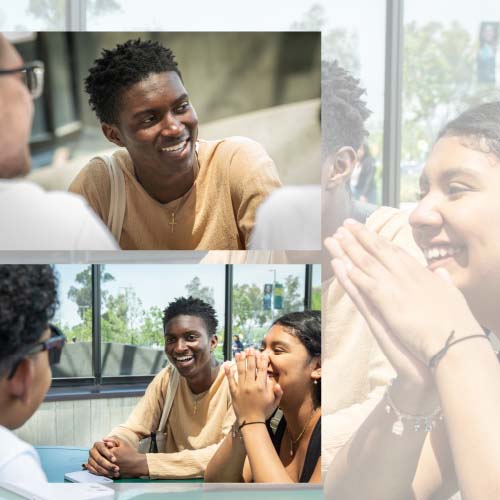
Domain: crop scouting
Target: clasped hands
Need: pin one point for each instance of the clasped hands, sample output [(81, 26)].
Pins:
[(114, 458), (255, 396), (409, 309)]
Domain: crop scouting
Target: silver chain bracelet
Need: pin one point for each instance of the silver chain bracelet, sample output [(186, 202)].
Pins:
[(419, 422)]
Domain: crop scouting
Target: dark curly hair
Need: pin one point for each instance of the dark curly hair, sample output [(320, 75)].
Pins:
[(28, 301), (306, 326), (478, 126), (122, 67), (343, 111), (191, 306)]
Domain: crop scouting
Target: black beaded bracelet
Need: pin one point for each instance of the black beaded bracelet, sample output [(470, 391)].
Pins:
[(449, 342)]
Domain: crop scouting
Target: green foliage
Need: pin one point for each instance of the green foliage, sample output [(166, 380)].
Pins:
[(82, 294), (316, 298), (250, 319)]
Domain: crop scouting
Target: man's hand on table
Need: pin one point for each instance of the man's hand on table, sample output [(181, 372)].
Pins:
[(112, 457)]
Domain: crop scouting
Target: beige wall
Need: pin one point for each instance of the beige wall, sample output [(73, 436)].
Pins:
[(75, 423)]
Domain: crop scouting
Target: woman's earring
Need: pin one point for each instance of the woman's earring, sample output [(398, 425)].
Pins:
[(315, 382)]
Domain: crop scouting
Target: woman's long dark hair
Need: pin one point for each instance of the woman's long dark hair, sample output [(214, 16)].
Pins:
[(306, 326)]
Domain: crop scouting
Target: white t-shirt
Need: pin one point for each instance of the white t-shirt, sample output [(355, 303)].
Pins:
[(32, 219), (19, 462), (289, 219)]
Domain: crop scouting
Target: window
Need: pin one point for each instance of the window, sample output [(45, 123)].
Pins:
[(261, 294), (450, 63), (112, 314)]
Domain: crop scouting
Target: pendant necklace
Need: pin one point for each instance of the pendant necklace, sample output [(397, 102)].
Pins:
[(196, 168), (293, 442)]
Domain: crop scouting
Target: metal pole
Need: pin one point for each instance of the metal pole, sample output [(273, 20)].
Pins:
[(76, 15), (308, 287), (228, 314), (392, 102), (96, 323)]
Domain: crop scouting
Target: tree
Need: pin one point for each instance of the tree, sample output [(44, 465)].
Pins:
[(82, 294), (338, 44), (292, 296), (53, 10), (195, 289)]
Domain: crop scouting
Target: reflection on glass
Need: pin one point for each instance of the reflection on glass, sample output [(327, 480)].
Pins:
[(33, 15), (449, 65), (74, 318), (261, 294)]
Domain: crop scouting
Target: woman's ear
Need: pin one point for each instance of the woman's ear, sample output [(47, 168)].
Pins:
[(316, 373)]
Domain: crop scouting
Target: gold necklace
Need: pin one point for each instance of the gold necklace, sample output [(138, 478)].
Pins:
[(196, 169), (293, 442)]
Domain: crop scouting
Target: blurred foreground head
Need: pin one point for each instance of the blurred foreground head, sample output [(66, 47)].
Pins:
[(16, 115), (28, 300)]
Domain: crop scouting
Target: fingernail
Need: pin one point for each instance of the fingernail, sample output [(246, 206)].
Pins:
[(350, 222)]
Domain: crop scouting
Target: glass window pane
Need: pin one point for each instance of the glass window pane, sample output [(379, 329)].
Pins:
[(261, 294), (357, 42), (216, 15), (450, 63), (31, 15), (133, 298), (74, 317), (316, 288)]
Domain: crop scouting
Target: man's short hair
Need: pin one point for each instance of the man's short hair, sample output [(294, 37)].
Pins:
[(122, 67), (28, 301), (191, 306), (343, 111)]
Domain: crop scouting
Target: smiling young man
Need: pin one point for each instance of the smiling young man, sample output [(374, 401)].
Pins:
[(28, 346), (181, 193), (201, 414)]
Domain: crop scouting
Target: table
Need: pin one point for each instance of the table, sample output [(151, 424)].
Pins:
[(58, 460)]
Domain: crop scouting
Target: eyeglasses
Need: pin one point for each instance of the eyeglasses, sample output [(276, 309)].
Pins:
[(32, 75), (53, 345)]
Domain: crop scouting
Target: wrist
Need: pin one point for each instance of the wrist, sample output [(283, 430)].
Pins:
[(142, 468), (414, 398)]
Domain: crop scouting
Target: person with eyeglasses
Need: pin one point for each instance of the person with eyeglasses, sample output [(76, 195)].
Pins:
[(29, 345), (30, 218)]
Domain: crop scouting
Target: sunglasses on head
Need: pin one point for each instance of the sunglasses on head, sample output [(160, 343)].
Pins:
[(52, 345), (32, 75)]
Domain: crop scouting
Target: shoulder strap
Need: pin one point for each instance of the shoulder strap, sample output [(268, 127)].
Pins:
[(173, 384), (117, 198), (313, 454)]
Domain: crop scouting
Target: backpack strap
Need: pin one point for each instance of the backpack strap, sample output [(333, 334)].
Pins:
[(173, 384), (117, 198)]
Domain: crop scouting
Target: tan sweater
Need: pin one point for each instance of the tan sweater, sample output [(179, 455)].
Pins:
[(355, 371), (196, 426), (218, 212)]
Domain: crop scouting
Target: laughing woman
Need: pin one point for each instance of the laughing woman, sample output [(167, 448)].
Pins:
[(436, 430), (285, 373)]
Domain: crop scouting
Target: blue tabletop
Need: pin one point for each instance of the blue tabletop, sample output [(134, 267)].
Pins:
[(58, 460)]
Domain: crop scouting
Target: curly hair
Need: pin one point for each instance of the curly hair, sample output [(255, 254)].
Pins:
[(191, 306), (343, 111), (478, 126), (28, 301), (306, 326), (122, 67)]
